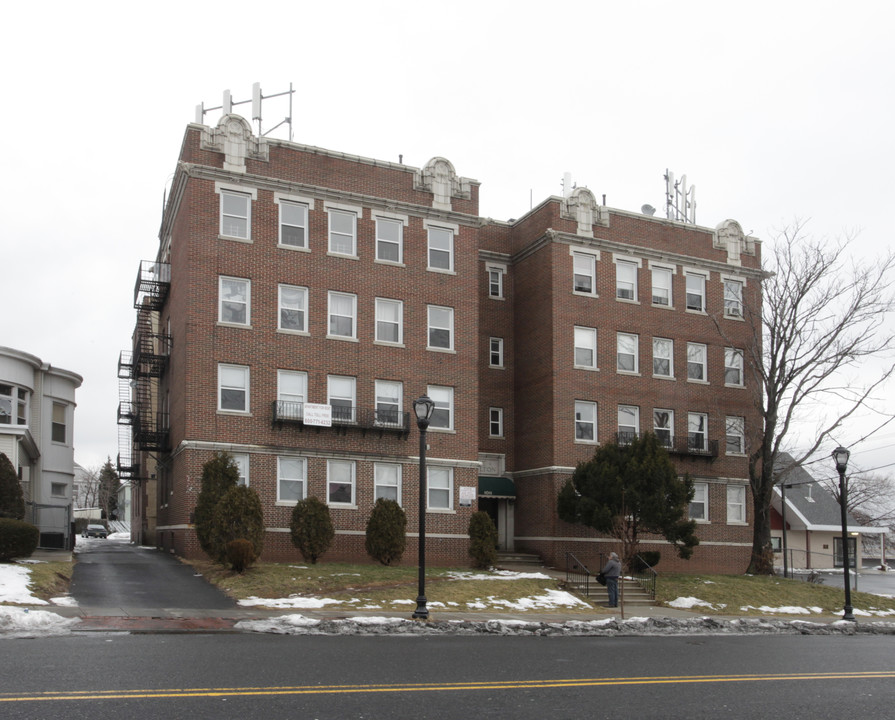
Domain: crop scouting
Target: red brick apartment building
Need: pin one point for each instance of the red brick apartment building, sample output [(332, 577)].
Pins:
[(290, 275)]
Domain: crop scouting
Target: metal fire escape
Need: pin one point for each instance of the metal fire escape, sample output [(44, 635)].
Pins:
[(142, 423)]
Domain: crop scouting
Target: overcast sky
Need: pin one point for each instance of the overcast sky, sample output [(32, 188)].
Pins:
[(776, 111)]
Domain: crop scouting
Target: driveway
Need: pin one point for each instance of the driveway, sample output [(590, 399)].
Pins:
[(113, 577)]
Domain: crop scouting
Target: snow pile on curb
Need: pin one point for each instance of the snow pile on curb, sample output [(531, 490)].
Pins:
[(24, 622)]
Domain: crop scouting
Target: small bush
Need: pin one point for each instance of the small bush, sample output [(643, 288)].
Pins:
[(17, 539), (238, 515), (240, 554), (312, 528), (482, 540), (386, 532), (645, 558), (219, 475)]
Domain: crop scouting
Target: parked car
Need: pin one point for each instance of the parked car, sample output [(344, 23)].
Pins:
[(97, 531)]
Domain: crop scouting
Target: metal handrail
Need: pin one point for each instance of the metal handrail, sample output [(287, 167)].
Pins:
[(577, 573), (646, 578)]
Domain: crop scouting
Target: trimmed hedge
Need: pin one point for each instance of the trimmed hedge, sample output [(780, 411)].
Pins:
[(482, 540), (386, 532), (17, 539), (312, 528)]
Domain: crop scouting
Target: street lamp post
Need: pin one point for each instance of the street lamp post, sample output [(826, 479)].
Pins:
[(840, 456), (422, 408)]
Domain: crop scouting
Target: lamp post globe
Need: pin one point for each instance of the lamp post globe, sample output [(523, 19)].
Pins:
[(840, 457)]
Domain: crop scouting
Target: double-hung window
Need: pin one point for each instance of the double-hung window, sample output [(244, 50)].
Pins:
[(58, 429), (388, 403), (242, 467), (495, 352), (292, 476), (441, 328), (495, 422), (342, 232), (341, 394), (699, 505), (736, 504), (389, 240), (389, 321), (495, 281), (235, 297), (443, 415), (696, 369), (236, 214), (6, 404), (735, 430), (733, 298), (233, 388), (586, 347), (293, 303), (585, 421), (661, 285), (628, 423), (585, 273), (293, 224), (441, 248), (695, 291), (625, 280), (340, 475), (441, 488), (387, 481), (697, 431), (627, 353), (663, 357), (733, 367), (663, 426), (342, 315), (292, 390)]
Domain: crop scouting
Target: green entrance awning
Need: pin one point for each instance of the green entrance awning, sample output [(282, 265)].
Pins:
[(496, 487)]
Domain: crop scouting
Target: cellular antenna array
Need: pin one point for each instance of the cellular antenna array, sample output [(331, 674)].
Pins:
[(257, 100)]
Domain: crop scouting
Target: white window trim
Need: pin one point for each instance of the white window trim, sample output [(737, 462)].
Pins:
[(400, 399), (358, 213), (399, 479), (378, 215), (705, 504), (329, 314), (450, 489), (308, 202), (670, 428), (281, 373), (502, 271), (704, 380), (500, 352), (248, 303), (595, 255), (705, 432), (592, 348), (280, 327), (706, 278), (220, 188), (304, 482), (636, 408), (491, 412), (430, 327), (740, 503), (741, 435), (741, 368), (376, 340), (352, 397), (636, 370), (450, 408), (248, 385), (742, 281), (672, 269), (628, 260), (595, 423), (455, 229), (352, 505), (242, 462), (670, 375)]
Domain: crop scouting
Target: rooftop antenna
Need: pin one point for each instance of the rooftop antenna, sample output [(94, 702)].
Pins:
[(257, 99), (680, 202)]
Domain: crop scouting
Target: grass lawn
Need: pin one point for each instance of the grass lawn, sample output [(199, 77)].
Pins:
[(50, 579)]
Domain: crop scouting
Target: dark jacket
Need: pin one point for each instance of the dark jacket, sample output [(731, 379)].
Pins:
[(613, 568)]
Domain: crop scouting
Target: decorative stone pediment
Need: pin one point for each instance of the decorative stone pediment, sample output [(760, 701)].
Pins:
[(729, 236), (439, 178), (233, 137), (581, 206)]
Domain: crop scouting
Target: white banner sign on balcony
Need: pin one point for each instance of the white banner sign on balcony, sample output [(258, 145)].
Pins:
[(320, 415)]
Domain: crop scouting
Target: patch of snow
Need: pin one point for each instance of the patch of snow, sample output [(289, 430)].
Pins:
[(497, 575), (64, 601), (23, 622), (686, 603), (784, 610), (14, 580), (293, 601)]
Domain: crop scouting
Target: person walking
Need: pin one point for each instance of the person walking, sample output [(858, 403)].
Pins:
[(611, 572)]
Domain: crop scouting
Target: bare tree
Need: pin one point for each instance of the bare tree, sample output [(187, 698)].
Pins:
[(823, 314), (87, 488), (871, 498)]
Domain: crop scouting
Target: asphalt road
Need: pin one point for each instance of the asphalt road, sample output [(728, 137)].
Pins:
[(248, 676), (111, 575)]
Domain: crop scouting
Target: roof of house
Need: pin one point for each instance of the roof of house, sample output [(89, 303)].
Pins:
[(810, 505)]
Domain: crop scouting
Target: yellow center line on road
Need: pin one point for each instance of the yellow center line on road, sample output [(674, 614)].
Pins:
[(431, 687)]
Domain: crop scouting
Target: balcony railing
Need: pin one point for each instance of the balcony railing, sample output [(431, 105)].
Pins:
[(345, 417), (695, 445), (153, 283)]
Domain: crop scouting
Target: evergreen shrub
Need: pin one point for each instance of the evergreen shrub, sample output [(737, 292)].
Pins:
[(12, 501), (18, 539), (218, 475), (240, 554), (482, 540), (312, 528), (386, 532), (237, 516)]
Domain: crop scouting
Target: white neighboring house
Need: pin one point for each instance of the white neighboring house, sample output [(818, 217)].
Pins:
[(37, 409), (813, 522)]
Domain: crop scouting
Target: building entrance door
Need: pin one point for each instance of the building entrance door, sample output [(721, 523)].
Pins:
[(500, 511)]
